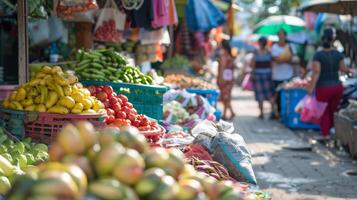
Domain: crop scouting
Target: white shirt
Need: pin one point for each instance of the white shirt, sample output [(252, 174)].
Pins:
[(281, 71)]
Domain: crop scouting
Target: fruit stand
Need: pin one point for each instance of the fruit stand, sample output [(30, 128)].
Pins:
[(96, 128), (127, 153)]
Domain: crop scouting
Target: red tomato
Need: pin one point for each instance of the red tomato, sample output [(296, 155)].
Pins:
[(133, 111), (144, 122), (98, 89), (108, 89), (135, 123), (106, 103), (110, 111), (128, 104), (110, 119), (119, 101), (144, 128), (116, 107), (132, 117), (121, 122), (120, 115), (113, 100), (123, 98), (102, 96), (114, 94), (92, 90)]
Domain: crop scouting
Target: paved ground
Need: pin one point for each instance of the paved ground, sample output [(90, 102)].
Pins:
[(306, 173)]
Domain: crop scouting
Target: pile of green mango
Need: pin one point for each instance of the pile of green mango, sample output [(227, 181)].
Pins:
[(108, 65)]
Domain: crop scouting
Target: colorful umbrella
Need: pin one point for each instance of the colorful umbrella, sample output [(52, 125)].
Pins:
[(203, 15), (273, 24)]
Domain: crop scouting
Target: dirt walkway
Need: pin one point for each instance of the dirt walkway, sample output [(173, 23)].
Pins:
[(304, 172)]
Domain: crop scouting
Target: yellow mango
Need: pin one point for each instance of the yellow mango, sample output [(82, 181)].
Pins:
[(16, 105), (78, 108), (56, 69), (13, 95), (85, 92), (67, 101), (6, 103), (26, 102), (21, 94), (78, 97), (89, 111), (38, 99), (67, 90), (87, 104), (52, 99), (46, 69), (59, 110), (97, 105), (41, 108), (30, 108)]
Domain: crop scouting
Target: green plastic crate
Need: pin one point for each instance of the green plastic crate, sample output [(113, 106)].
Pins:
[(147, 99), (13, 122)]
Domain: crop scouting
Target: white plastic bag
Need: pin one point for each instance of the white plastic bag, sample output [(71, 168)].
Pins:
[(110, 24), (39, 32)]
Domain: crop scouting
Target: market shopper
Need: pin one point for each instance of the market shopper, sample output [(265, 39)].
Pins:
[(262, 75), (225, 79), (325, 80), (282, 69)]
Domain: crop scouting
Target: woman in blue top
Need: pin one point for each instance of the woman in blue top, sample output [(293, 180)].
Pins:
[(262, 75), (325, 80)]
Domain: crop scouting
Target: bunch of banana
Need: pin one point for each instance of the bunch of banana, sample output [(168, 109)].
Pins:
[(54, 91)]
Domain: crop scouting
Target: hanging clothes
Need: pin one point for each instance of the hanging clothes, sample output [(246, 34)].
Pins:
[(173, 19), (142, 17), (160, 13)]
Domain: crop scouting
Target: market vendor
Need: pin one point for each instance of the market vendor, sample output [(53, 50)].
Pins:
[(325, 80), (282, 69)]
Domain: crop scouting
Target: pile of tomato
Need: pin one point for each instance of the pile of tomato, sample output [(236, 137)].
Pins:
[(120, 112)]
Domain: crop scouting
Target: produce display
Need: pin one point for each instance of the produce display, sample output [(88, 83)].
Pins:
[(67, 9), (176, 62), (54, 91), (183, 81), (185, 109), (107, 32), (113, 164), (296, 83), (108, 65), (210, 167), (17, 157), (120, 112)]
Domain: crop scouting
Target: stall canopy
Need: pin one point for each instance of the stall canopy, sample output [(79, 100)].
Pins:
[(341, 7), (242, 45), (203, 15), (273, 24)]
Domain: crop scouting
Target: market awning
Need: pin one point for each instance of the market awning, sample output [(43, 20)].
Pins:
[(341, 7)]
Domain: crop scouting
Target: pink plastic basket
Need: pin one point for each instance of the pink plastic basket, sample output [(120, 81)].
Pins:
[(44, 127), (5, 91)]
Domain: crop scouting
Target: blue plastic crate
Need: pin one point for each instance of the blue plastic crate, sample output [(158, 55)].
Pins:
[(288, 101), (210, 94), (212, 97), (147, 99)]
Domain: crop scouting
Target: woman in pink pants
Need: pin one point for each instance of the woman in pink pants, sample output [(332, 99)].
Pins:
[(325, 80)]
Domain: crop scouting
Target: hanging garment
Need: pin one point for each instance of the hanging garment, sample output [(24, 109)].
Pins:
[(142, 17), (160, 13), (173, 20)]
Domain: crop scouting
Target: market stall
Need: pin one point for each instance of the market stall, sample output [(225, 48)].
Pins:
[(97, 126)]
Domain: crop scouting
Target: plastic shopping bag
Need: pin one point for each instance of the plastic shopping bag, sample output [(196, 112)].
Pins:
[(247, 82), (110, 23), (312, 110), (67, 8)]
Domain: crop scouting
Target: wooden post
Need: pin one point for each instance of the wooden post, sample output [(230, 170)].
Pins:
[(23, 47)]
